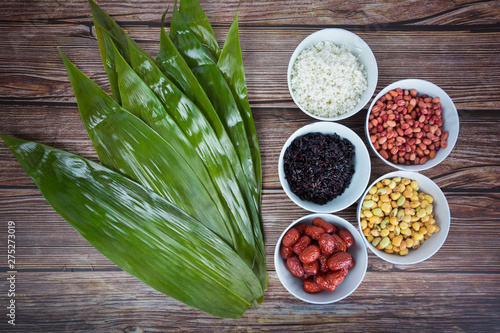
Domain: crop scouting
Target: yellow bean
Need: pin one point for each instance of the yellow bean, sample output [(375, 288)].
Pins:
[(424, 204), (431, 229), (407, 194), (414, 185), (386, 181), (391, 227), (392, 185), (375, 220), (372, 190), (397, 240), (395, 195), (375, 197), (429, 198), (421, 213), (403, 252), (429, 209), (407, 218), (379, 185), (369, 238), (375, 232), (402, 246), (405, 181), (414, 204), (367, 213), (382, 190), (406, 232), (418, 236), (363, 224), (403, 225), (416, 226), (384, 233), (368, 203), (384, 223), (409, 242), (385, 198), (366, 231), (386, 208), (423, 230), (396, 179)]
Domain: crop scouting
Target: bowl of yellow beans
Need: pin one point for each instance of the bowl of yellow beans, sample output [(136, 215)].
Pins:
[(404, 217)]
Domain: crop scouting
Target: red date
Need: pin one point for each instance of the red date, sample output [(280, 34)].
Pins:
[(310, 254), (285, 251), (328, 227), (291, 237), (311, 268), (317, 253), (314, 232), (326, 244), (339, 261), (295, 266), (335, 277), (301, 244), (321, 281), (310, 286), (346, 237)]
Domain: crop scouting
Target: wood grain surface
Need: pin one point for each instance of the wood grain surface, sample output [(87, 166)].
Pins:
[(64, 285)]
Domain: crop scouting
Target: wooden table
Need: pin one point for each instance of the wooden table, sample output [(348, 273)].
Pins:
[(64, 284)]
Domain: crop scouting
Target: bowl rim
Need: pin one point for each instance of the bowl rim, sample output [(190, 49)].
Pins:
[(364, 172), (332, 219), (394, 258), (305, 42), (451, 143)]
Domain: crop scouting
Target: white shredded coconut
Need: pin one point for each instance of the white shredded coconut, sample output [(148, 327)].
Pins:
[(327, 80)]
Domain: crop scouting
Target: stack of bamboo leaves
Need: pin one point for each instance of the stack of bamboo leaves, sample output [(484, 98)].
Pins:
[(176, 200)]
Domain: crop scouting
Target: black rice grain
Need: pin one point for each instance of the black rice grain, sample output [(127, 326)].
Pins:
[(319, 167)]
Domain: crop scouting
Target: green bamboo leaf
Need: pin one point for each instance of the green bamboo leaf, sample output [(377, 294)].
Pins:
[(175, 68), (109, 64), (126, 144), (140, 231), (231, 66), (177, 124), (212, 82), (195, 18), (106, 23), (216, 150)]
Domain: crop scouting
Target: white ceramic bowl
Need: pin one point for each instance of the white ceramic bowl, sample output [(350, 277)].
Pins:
[(360, 178), (449, 114), (358, 251), (358, 47), (441, 215)]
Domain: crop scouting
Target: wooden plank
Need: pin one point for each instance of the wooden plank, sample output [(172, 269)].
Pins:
[(60, 126), (31, 69), (45, 242), (281, 12), (115, 301)]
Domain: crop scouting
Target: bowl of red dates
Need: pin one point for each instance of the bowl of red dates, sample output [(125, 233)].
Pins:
[(412, 125), (320, 258)]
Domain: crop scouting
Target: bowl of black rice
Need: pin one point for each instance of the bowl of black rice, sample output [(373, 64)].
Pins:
[(324, 167)]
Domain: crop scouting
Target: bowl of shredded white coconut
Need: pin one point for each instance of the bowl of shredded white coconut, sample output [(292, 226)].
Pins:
[(332, 74)]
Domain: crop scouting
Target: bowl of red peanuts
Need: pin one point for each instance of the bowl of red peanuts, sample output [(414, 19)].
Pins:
[(321, 258), (412, 125)]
